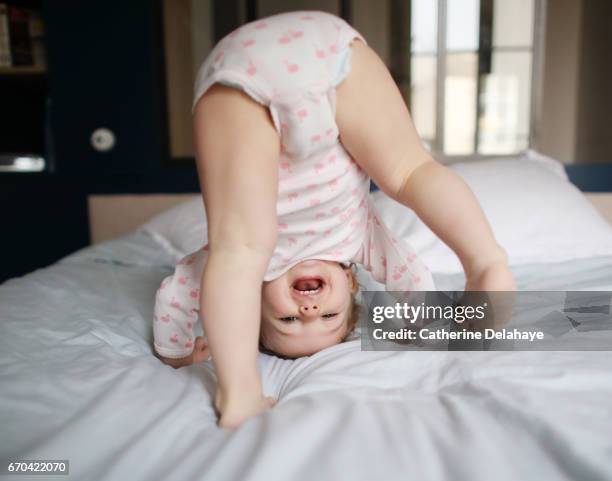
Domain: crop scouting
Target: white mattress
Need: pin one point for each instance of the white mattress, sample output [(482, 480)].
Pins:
[(78, 381)]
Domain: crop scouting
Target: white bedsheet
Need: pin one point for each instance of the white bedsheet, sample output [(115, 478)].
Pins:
[(78, 381)]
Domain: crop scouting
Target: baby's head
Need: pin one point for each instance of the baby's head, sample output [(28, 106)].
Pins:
[(310, 307)]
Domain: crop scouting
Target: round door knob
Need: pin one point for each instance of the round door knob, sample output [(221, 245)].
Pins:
[(102, 139)]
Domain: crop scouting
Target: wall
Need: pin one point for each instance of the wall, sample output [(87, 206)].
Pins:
[(594, 136), (178, 54), (266, 8), (556, 134), (576, 109), (373, 24)]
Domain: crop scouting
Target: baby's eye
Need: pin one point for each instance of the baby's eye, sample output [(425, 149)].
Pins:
[(327, 316), (289, 318)]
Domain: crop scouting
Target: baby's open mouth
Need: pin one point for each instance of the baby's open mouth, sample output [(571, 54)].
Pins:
[(308, 285)]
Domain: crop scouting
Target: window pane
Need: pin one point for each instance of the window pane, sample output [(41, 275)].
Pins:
[(460, 103), (513, 23), (423, 23), (423, 96), (462, 25), (505, 101)]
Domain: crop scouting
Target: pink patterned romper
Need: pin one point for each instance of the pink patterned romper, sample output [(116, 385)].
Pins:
[(292, 63)]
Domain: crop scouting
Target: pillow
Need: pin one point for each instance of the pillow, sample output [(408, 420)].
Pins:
[(536, 214), (181, 229)]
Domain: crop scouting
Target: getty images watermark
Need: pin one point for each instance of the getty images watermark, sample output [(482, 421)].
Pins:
[(457, 320)]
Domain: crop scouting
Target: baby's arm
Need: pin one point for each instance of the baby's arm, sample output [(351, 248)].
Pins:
[(375, 127), (237, 149), (199, 354)]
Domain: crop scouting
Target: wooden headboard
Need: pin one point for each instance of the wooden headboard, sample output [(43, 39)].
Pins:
[(115, 215), (111, 216), (603, 202)]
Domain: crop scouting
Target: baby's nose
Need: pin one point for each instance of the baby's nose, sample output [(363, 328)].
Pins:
[(309, 310)]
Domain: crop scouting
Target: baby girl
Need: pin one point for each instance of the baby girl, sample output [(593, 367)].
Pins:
[(293, 115)]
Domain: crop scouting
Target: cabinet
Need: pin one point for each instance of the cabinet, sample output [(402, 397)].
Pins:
[(105, 70), (103, 76)]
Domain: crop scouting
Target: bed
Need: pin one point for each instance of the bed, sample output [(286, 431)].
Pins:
[(79, 381)]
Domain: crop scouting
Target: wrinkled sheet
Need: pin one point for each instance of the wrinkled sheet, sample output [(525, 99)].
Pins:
[(78, 381)]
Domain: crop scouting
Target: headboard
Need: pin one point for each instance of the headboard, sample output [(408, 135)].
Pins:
[(603, 202), (115, 215)]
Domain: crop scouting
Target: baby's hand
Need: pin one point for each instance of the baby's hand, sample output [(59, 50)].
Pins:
[(199, 354), (233, 413), (496, 279), (493, 277)]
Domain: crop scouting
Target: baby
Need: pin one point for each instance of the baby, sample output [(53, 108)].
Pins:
[(293, 114)]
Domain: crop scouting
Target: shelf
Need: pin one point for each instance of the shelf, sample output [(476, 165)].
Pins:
[(23, 70), (21, 163)]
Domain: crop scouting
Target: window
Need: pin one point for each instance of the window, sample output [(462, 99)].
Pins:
[(472, 74)]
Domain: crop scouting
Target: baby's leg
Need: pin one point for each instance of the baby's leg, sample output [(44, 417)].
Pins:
[(374, 122), (237, 149), (376, 129)]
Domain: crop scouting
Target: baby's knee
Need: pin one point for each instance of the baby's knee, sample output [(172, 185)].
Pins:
[(213, 102), (229, 115)]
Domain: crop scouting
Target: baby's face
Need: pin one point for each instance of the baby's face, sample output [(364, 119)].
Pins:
[(306, 309)]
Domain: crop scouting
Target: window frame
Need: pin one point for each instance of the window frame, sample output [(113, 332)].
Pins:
[(484, 47)]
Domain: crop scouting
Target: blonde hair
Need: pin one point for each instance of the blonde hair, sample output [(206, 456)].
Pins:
[(354, 308)]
